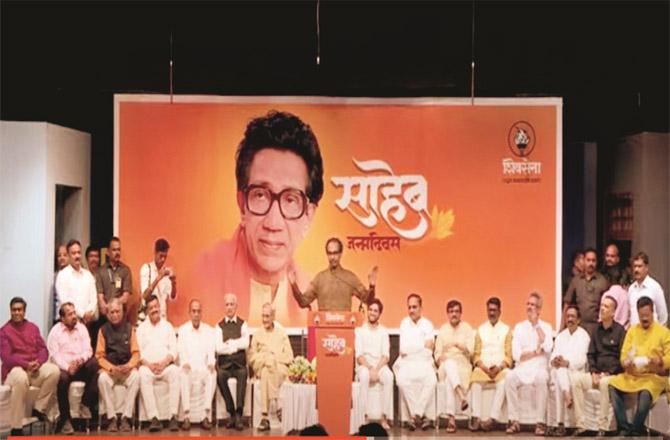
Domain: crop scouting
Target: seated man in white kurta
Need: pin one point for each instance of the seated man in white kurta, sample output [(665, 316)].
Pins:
[(197, 360), (567, 359), (158, 352), (415, 364), (531, 346), (372, 358)]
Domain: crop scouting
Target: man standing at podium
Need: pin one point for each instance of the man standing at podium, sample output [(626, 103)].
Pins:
[(334, 287)]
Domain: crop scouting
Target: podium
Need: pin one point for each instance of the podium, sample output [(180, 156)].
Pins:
[(334, 334)]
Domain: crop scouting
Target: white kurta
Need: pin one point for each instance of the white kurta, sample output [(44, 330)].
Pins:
[(649, 287), (196, 348), (531, 371), (372, 343), (156, 342), (77, 287), (415, 372), (163, 290)]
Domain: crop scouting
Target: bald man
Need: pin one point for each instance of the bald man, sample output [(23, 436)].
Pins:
[(232, 341), (269, 356)]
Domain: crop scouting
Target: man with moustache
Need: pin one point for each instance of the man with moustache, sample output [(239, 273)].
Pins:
[(118, 355), (334, 287), (531, 346), (453, 350), (585, 291), (270, 354), (76, 285), (232, 341), (612, 269), (567, 359), (70, 347), (114, 279), (24, 358), (603, 362), (158, 352), (645, 285), (372, 351), (645, 357), (92, 260), (197, 361), (492, 359), (415, 365)]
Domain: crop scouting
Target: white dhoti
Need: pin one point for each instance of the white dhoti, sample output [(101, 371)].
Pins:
[(417, 380), (538, 378), (452, 380), (171, 375), (496, 404), (386, 382), (561, 379), (582, 382), (186, 381), (106, 387)]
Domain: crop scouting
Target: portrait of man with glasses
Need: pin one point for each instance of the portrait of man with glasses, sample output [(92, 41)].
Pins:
[(279, 175)]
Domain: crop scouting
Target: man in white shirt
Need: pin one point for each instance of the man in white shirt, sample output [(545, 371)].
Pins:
[(415, 364), (531, 346), (76, 285), (372, 348), (645, 285), (158, 351), (196, 348), (568, 359), (158, 279), (232, 341)]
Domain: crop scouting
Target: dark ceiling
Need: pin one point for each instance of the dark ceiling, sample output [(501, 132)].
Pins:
[(63, 61)]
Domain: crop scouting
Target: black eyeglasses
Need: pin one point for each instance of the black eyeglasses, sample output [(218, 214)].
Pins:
[(292, 202)]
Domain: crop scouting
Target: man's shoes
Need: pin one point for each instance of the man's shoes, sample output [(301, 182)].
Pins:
[(265, 425), (113, 425), (39, 415), (155, 425), (206, 424), (230, 424), (560, 430), (540, 429), (238, 423), (125, 424), (411, 424), (16, 432), (426, 424), (186, 424), (173, 425), (581, 432), (474, 424), (487, 425), (67, 428), (513, 427)]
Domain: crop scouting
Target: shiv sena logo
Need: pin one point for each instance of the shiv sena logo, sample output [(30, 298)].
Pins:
[(400, 201), (333, 345)]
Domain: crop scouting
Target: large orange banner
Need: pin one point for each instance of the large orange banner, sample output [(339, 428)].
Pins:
[(450, 199)]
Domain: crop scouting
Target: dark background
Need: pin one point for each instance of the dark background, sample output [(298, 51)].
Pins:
[(62, 62)]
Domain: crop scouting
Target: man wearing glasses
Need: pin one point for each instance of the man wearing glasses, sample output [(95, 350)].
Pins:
[(279, 173)]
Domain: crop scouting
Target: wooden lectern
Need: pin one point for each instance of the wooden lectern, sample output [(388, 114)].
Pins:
[(334, 367)]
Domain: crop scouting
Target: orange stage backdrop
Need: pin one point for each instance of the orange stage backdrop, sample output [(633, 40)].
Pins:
[(449, 199)]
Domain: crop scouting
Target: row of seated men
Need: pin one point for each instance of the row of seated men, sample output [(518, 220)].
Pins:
[(618, 362), (613, 360), (137, 358)]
